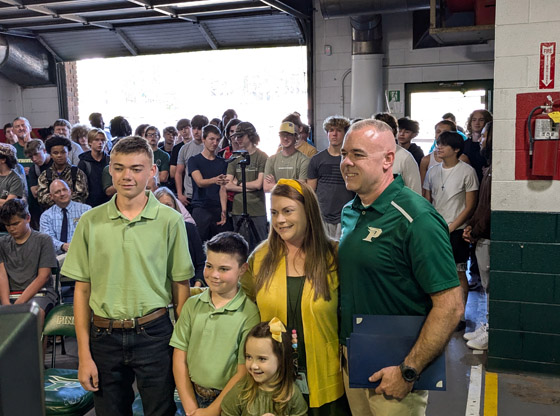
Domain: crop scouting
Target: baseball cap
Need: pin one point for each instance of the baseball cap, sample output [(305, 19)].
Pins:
[(288, 127), (7, 150), (244, 128)]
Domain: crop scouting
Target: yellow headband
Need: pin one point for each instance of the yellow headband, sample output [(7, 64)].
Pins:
[(276, 328), (292, 183)]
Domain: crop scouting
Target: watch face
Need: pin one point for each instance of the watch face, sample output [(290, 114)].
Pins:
[(409, 374)]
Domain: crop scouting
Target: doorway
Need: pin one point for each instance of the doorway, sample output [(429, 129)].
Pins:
[(427, 102)]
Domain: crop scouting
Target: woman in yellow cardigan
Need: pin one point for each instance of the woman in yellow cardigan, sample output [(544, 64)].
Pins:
[(293, 276)]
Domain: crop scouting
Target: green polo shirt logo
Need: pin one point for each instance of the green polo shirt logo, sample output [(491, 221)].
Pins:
[(373, 233)]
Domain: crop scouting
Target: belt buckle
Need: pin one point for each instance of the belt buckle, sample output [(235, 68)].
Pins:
[(128, 320)]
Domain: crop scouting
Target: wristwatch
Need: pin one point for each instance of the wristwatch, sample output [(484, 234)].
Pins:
[(409, 374)]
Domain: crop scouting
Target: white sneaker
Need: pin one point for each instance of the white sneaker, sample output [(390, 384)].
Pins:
[(476, 333), (479, 343)]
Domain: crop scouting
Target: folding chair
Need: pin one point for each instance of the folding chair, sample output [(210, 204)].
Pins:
[(63, 393)]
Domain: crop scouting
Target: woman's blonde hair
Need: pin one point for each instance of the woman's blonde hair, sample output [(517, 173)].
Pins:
[(319, 250)]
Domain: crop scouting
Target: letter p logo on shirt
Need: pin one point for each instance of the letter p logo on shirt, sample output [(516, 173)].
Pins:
[(373, 233)]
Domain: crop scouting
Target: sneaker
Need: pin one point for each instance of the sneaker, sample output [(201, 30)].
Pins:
[(476, 333), (479, 343)]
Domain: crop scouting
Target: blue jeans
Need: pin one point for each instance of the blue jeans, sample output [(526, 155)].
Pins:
[(143, 353)]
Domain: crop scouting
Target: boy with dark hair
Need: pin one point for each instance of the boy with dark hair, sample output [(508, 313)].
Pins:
[(161, 158), (11, 184), (183, 180), (408, 130), (58, 148), (26, 260), (63, 128), (208, 173), (92, 164), (209, 336), (404, 163), (127, 288), (325, 178), (452, 188)]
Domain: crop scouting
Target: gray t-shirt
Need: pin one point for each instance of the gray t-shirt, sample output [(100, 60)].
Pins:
[(187, 151), (331, 189), (287, 167), (11, 184), (22, 261)]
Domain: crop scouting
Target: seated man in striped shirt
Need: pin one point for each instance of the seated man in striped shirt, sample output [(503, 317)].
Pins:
[(60, 220)]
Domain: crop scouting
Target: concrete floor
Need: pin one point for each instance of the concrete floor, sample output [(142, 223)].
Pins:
[(517, 394)]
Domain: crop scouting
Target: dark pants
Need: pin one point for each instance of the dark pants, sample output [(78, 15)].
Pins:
[(123, 354), (206, 219)]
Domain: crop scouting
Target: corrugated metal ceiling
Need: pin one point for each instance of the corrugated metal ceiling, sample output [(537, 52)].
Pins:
[(78, 29)]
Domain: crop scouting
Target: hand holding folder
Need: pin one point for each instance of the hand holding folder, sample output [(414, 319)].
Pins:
[(380, 341)]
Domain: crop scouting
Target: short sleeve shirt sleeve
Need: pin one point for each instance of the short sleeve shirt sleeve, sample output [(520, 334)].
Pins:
[(313, 168)]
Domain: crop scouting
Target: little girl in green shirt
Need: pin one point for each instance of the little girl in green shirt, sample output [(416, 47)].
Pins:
[(268, 389)]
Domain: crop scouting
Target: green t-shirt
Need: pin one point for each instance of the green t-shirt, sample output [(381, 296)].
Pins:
[(22, 159), (287, 167), (161, 159), (232, 405), (255, 199), (214, 338), (130, 264), (392, 255)]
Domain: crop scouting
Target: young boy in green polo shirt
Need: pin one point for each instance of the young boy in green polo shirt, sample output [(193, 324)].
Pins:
[(130, 259), (209, 336)]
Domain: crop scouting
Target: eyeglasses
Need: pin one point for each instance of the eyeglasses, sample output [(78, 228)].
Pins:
[(151, 135)]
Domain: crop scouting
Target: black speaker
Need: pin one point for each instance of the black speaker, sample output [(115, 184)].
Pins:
[(21, 361)]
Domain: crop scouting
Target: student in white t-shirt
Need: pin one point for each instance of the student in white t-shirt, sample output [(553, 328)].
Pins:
[(452, 188)]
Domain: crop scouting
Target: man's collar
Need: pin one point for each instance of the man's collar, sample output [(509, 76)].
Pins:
[(384, 200)]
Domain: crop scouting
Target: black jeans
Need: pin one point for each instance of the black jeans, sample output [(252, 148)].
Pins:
[(123, 354)]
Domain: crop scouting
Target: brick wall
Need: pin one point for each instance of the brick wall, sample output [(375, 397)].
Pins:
[(72, 92)]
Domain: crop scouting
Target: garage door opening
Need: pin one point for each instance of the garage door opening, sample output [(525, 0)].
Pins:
[(262, 85)]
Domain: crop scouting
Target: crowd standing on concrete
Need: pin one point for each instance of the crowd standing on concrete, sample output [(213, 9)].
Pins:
[(368, 225)]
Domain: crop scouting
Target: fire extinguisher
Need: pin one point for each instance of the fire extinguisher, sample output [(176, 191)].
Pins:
[(543, 140)]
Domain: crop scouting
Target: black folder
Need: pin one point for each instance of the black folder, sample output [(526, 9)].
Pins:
[(380, 341)]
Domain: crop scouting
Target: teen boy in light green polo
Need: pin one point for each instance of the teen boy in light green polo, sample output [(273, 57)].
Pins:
[(130, 258)]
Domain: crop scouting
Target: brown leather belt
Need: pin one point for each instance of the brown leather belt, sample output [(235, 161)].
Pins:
[(205, 393), (105, 323)]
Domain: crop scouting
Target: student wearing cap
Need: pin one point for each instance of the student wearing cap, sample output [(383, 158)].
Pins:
[(247, 138), (287, 164), (58, 148), (408, 130)]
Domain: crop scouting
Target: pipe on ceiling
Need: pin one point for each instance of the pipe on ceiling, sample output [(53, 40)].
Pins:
[(342, 8), (25, 62)]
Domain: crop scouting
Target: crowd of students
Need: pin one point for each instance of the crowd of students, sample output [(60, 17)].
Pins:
[(224, 360)]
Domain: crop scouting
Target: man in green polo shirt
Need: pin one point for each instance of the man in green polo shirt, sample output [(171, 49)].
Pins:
[(130, 258), (394, 259)]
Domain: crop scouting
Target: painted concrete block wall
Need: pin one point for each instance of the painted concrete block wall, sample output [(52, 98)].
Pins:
[(525, 250), (521, 26), (402, 64), (39, 105)]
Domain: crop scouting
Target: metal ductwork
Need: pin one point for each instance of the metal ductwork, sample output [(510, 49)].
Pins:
[(367, 65), (343, 8), (26, 62)]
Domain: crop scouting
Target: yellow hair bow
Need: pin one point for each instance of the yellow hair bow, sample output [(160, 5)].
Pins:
[(292, 183), (276, 328)]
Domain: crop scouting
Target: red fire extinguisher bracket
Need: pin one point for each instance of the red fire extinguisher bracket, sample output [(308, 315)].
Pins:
[(543, 163)]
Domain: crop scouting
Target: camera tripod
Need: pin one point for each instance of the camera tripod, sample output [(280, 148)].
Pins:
[(245, 225)]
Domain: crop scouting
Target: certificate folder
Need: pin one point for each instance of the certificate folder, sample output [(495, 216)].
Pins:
[(380, 341)]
